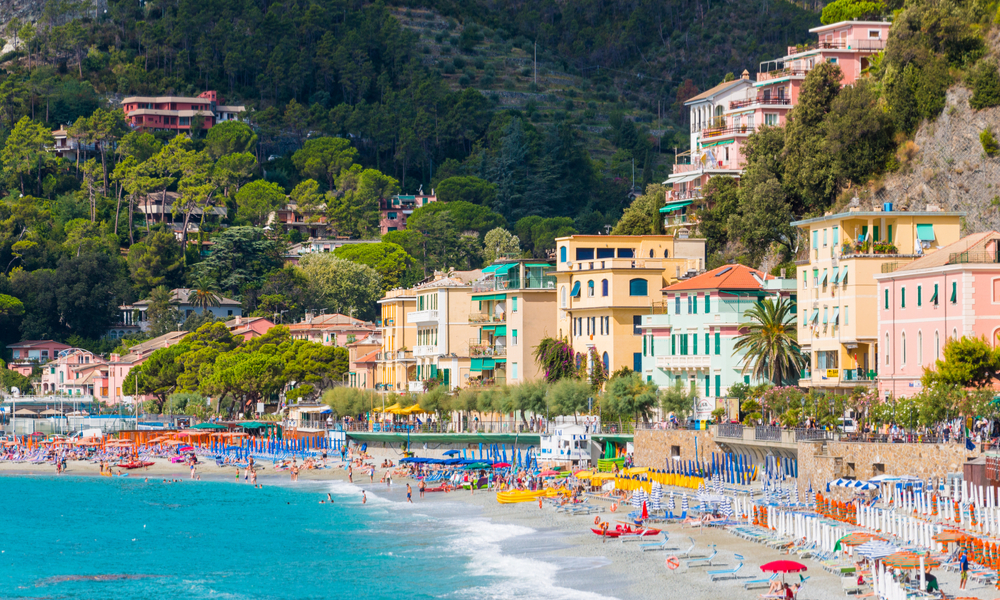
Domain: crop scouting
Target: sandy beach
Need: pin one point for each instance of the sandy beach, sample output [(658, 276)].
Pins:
[(608, 568)]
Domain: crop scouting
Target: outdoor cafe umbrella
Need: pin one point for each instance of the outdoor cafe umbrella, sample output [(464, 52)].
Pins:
[(50, 412), (24, 412), (909, 560), (948, 535), (452, 452)]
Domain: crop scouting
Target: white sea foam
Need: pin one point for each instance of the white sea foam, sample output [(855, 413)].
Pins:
[(522, 577)]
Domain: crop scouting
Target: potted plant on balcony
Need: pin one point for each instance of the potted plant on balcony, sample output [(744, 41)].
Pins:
[(846, 248), (743, 128)]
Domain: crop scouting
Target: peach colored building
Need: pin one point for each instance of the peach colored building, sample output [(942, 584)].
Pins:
[(395, 210), (952, 293), (723, 117), (363, 355), (331, 330), (249, 328)]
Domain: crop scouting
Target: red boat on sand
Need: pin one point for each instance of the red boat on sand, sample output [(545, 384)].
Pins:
[(625, 531)]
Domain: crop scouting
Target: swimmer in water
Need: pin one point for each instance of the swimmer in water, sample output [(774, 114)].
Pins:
[(329, 498), (364, 497)]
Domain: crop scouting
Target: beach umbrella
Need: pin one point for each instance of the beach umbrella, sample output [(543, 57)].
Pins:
[(670, 502), (909, 560), (947, 536), (783, 566), (727, 509), (451, 452), (645, 513), (637, 498), (657, 495), (876, 549), (684, 503)]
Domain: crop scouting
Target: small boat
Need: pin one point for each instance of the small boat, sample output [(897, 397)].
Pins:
[(626, 531), (515, 496), (135, 465)]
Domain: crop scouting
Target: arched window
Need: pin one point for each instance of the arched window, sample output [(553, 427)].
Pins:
[(563, 296), (885, 350), (606, 362), (920, 347), (637, 287), (562, 254), (590, 288), (604, 287), (902, 349), (937, 346), (718, 116), (666, 254), (954, 334), (650, 254)]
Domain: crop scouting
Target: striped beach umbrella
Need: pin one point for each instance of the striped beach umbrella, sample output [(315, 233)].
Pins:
[(637, 498), (670, 502), (684, 503), (796, 494), (656, 496), (727, 509)]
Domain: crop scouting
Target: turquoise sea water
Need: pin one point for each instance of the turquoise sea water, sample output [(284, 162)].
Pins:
[(69, 538)]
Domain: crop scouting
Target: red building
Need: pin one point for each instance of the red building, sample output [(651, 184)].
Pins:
[(175, 113), (395, 210)]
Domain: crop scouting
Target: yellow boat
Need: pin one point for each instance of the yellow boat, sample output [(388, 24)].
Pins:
[(515, 496)]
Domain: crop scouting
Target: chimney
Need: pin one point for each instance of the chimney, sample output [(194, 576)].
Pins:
[(746, 75), (239, 320), (115, 357), (309, 316)]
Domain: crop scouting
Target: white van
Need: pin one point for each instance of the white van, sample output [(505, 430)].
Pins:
[(847, 425)]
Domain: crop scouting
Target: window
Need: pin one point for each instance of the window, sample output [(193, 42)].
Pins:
[(874, 34), (845, 314), (644, 345), (885, 350), (718, 343), (562, 254), (919, 291), (771, 119), (605, 253), (694, 344), (513, 370), (392, 216), (708, 343), (637, 287), (718, 386), (562, 293), (920, 347), (708, 303), (514, 302), (834, 240), (626, 253), (937, 346), (825, 231), (636, 362), (815, 277), (673, 345), (636, 324), (815, 239), (708, 390), (590, 289), (805, 280), (694, 304), (902, 297), (604, 287), (666, 254), (584, 254), (677, 304), (954, 292), (902, 348), (513, 337), (887, 299)]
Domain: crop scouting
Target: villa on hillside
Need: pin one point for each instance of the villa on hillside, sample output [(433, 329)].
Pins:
[(395, 210), (723, 117), (178, 113), (135, 319)]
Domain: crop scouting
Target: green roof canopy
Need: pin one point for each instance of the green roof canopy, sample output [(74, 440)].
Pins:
[(672, 206), (505, 268), (540, 266), (253, 425), (208, 426), (501, 330), (490, 268), (836, 275), (925, 232)]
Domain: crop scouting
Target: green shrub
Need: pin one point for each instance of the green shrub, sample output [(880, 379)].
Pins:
[(990, 145), (985, 82), (464, 80), (851, 10), (459, 62)]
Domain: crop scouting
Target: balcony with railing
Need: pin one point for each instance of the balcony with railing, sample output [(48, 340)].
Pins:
[(394, 356), (760, 101), (837, 377), (686, 220), (486, 319), (683, 363), (782, 73), (478, 349), (721, 132), (973, 257), (415, 387), (423, 316), (425, 350), (859, 45)]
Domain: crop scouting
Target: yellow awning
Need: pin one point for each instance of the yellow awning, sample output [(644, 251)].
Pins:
[(389, 409), (636, 471), (412, 410)]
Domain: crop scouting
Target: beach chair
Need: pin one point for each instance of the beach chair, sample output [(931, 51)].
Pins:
[(763, 582), (851, 586), (727, 573), (704, 562), (663, 544)]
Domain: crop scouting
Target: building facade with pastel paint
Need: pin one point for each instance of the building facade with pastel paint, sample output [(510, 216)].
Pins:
[(513, 310), (606, 283), (838, 302), (952, 293), (690, 338)]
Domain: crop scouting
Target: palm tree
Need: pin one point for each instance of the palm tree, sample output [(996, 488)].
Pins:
[(204, 297), (769, 341)]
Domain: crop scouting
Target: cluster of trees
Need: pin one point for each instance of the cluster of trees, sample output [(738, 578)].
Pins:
[(236, 374)]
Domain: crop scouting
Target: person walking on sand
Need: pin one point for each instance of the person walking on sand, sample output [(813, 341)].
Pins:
[(192, 470), (409, 494), (371, 474), (963, 564)]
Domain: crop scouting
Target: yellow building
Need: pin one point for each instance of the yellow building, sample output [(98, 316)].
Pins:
[(513, 306), (607, 282), (395, 365), (441, 318), (837, 299)]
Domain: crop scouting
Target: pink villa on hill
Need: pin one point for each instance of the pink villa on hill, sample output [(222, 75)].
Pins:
[(723, 117), (28, 354), (174, 113), (395, 210), (953, 292)]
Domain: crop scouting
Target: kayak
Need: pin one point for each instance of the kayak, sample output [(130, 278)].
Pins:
[(515, 496), (441, 488), (135, 465), (620, 531)]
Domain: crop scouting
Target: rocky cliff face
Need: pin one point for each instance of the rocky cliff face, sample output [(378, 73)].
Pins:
[(945, 165)]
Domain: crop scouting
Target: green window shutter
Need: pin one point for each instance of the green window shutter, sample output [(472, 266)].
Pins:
[(694, 337), (954, 292), (889, 236), (815, 238), (673, 345), (708, 303), (515, 303), (902, 297), (718, 343), (919, 292), (875, 237), (708, 345), (708, 390), (934, 298), (694, 304), (644, 345), (652, 345), (718, 386), (746, 379), (887, 299)]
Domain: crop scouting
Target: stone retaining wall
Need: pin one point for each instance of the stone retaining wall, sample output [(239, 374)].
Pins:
[(654, 448)]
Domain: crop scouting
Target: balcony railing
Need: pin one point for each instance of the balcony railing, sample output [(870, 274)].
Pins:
[(684, 195), (736, 104), (391, 356), (980, 257), (477, 318), (779, 73), (423, 316), (714, 132), (767, 434), (477, 350), (425, 350), (731, 430), (872, 45), (683, 363), (680, 221)]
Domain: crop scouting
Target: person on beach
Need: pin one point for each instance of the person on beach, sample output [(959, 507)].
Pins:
[(963, 564), (371, 474), (329, 498), (774, 588), (253, 477), (237, 474), (350, 473), (409, 494), (422, 486), (364, 497), (388, 478)]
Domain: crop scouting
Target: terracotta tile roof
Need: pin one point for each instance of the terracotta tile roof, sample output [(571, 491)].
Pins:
[(30, 343), (939, 258), (370, 357), (727, 277)]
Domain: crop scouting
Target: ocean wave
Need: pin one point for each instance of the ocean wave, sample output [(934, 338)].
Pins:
[(520, 577)]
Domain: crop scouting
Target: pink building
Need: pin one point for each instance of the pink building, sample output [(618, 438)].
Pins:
[(27, 355), (395, 210), (249, 327), (723, 117), (331, 330), (71, 372), (951, 293), (175, 113), (364, 361)]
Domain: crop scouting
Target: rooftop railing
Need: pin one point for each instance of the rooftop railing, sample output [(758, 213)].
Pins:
[(736, 104)]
